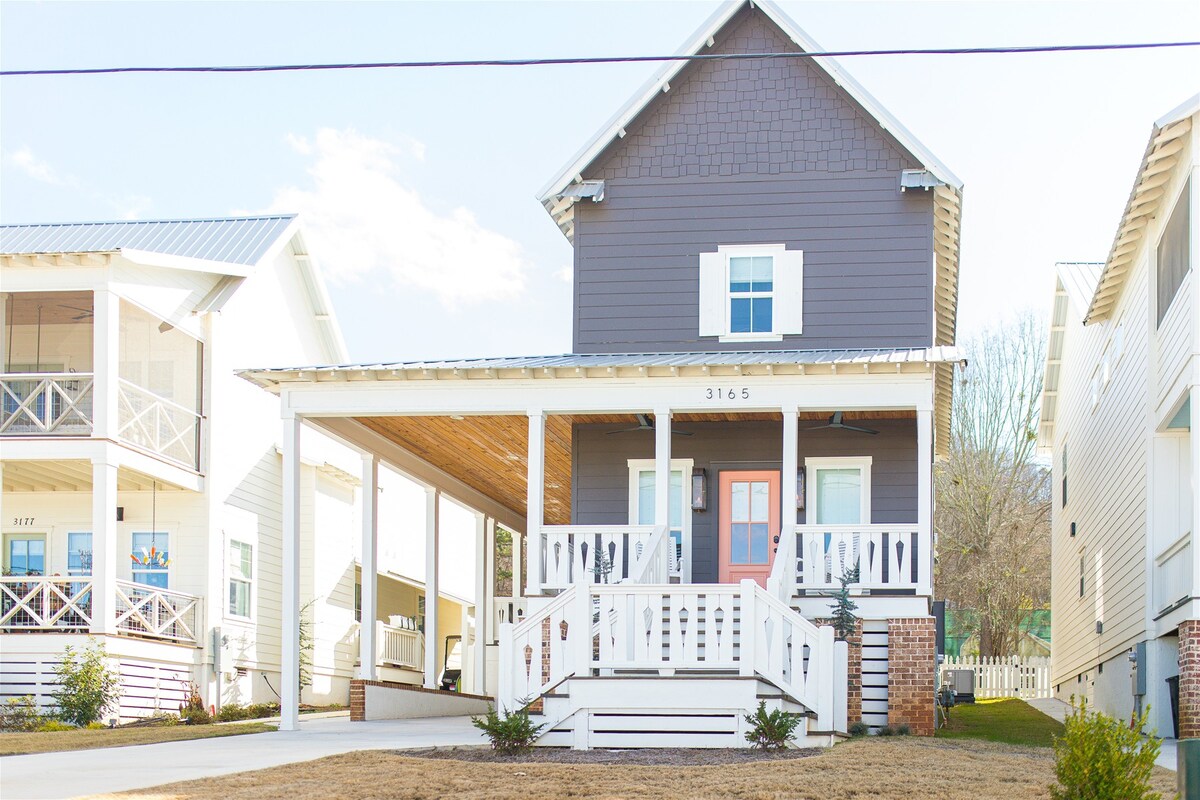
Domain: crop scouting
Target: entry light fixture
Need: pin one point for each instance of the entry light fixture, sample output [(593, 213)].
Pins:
[(800, 488), (699, 489)]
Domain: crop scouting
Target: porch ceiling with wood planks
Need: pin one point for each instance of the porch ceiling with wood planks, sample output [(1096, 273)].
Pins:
[(489, 453), (72, 476)]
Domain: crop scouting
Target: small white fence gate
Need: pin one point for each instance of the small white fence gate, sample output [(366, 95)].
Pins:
[(1009, 676)]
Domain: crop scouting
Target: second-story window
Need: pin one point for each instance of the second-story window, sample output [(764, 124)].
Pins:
[(241, 571), (751, 292)]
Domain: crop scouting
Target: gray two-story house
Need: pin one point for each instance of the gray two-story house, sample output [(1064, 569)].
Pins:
[(765, 282)]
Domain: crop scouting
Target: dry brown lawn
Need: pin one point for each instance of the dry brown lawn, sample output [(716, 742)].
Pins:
[(901, 768), (84, 739)]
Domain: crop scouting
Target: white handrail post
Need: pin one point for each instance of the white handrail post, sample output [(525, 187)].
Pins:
[(749, 637), (534, 492), (841, 667), (823, 689), (579, 630), (504, 678)]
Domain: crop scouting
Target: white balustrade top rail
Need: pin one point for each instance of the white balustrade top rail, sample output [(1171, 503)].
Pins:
[(37, 603), (399, 647), (158, 613), (46, 403), (157, 424), (573, 554), (888, 557)]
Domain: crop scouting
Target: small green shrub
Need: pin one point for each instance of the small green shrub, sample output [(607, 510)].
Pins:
[(886, 730), (95, 726), (192, 710), (232, 712), (903, 730), (260, 710), (1098, 757), (167, 720), (20, 714), (859, 729), (773, 730), (87, 685), (508, 732), (53, 725)]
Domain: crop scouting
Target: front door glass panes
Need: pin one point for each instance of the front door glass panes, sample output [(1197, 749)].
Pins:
[(839, 496), (645, 508), (150, 556), (26, 555), (749, 522), (751, 283)]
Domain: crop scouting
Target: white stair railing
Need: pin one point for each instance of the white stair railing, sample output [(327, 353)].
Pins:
[(537, 654), (781, 583), (656, 560)]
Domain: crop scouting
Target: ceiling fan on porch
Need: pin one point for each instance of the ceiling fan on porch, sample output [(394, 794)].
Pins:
[(644, 423), (836, 422)]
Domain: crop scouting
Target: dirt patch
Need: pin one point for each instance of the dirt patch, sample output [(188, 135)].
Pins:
[(891, 769), (666, 756)]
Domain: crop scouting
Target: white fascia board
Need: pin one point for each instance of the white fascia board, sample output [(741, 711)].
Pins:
[(152, 259), (318, 295), (1180, 112), (642, 98)]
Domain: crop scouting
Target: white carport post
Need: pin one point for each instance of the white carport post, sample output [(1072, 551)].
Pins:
[(104, 542), (289, 679), (791, 467), (370, 567), (535, 487), (484, 525), (662, 469), (433, 497)]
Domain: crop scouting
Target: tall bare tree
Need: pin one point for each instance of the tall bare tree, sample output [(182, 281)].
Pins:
[(993, 496)]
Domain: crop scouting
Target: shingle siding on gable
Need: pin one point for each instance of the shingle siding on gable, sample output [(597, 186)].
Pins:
[(750, 152)]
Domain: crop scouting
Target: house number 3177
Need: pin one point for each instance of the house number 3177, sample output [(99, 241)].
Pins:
[(721, 393), (22, 521)]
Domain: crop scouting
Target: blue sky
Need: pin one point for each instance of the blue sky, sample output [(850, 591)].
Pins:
[(420, 185)]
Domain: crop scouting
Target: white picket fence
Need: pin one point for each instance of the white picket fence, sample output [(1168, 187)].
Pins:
[(1010, 676)]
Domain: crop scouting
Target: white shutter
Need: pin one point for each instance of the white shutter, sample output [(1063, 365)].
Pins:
[(712, 294), (789, 292)]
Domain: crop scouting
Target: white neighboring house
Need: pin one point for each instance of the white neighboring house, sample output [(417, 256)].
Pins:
[(1119, 412), (142, 479)]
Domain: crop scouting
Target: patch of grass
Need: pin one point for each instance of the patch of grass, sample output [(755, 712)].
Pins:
[(12, 744), (1008, 720)]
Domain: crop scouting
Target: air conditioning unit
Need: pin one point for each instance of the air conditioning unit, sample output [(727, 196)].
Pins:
[(962, 683)]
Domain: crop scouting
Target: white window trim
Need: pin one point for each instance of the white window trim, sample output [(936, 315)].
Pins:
[(27, 533), (811, 465), (229, 578), (638, 465), (750, 250)]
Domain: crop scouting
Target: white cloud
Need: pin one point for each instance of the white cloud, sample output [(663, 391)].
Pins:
[(36, 168), (565, 274), (363, 220)]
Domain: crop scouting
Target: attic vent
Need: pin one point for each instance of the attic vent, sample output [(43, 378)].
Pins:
[(918, 179), (589, 189)]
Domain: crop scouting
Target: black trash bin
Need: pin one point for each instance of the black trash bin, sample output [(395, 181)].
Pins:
[(1173, 688)]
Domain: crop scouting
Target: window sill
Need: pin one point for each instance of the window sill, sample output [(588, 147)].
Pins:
[(751, 337)]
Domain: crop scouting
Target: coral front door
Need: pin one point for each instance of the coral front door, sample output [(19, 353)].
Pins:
[(749, 506)]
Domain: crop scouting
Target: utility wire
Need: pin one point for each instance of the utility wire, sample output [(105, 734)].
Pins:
[(542, 62)]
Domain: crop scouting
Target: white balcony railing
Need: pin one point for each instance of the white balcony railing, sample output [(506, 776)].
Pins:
[(157, 613), (888, 557), (158, 424), (591, 553), (40, 404), (35, 603), (399, 647)]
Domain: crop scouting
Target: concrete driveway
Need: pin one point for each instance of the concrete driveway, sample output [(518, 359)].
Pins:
[(88, 772)]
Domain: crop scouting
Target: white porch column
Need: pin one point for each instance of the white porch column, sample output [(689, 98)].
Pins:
[(534, 491), (289, 679), (104, 544), (925, 497), (106, 331), (484, 526), (662, 468), (370, 567), (791, 465), (432, 530)]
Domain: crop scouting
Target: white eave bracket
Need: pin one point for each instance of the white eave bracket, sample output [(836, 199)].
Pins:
[(919, 179)]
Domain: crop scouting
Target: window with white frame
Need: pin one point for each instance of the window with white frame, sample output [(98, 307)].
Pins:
[(838, 490), (241, 578), (79, 553), (151, 558), (641, 507), (751, 292)]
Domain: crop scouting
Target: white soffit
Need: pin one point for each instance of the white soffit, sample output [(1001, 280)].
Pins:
[(1075, 285)]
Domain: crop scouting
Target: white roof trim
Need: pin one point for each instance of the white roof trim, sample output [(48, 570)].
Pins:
[(697, 42)]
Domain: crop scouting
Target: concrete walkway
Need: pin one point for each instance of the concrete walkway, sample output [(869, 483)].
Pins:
[(1059, 710), (42, 776)]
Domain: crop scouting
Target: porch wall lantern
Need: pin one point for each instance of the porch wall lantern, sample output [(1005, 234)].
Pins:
[(699, 489), (800, 489)]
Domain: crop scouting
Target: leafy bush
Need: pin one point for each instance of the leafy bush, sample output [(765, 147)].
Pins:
[(95, 726), (1097, 757), (192, 710), (260, 710), (508, 733), (232, 712), (859, 729), (886, 730), (54, 725), (20, 714), (87, 686), (773, 730)]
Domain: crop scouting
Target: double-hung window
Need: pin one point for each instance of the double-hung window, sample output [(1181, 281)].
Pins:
[(79, 553), (838, 490), (151, 557), (751, 293), (241, 572)]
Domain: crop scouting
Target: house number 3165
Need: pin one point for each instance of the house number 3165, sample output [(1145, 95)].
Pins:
[(721, 393)]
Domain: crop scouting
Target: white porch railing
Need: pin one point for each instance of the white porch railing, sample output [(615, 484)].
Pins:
[(508, 609), (35, 603), (1173, 573), (1026, 678), (399, 647), (158, 424), (157, 613), (888, 557), (596, 629), (39, 404), (573, 554)]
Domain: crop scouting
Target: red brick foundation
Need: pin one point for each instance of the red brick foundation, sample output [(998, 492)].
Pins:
[(1189, 679), (912, 664)]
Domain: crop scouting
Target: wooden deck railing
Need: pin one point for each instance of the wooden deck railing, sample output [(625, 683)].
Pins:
[(46, 404), (35, 603), (158, 424), (157, 613)]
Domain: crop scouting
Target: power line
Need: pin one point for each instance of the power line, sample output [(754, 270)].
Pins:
[(544, 62)]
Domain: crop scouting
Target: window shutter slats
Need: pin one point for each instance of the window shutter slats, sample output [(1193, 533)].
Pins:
[(712, 294)]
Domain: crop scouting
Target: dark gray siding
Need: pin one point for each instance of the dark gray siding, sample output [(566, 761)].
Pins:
[(748, 152), (600, 474)]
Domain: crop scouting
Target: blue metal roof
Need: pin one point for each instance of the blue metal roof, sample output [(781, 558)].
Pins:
[(230, 240)]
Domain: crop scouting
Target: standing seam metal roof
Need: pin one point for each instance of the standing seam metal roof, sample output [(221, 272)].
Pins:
[(229, 240)]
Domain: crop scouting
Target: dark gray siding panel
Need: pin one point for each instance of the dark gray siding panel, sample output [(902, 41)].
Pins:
[(748, 152), (601, 475)]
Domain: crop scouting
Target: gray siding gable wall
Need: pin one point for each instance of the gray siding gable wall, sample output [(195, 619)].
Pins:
[(600, 471), (752, 152)]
